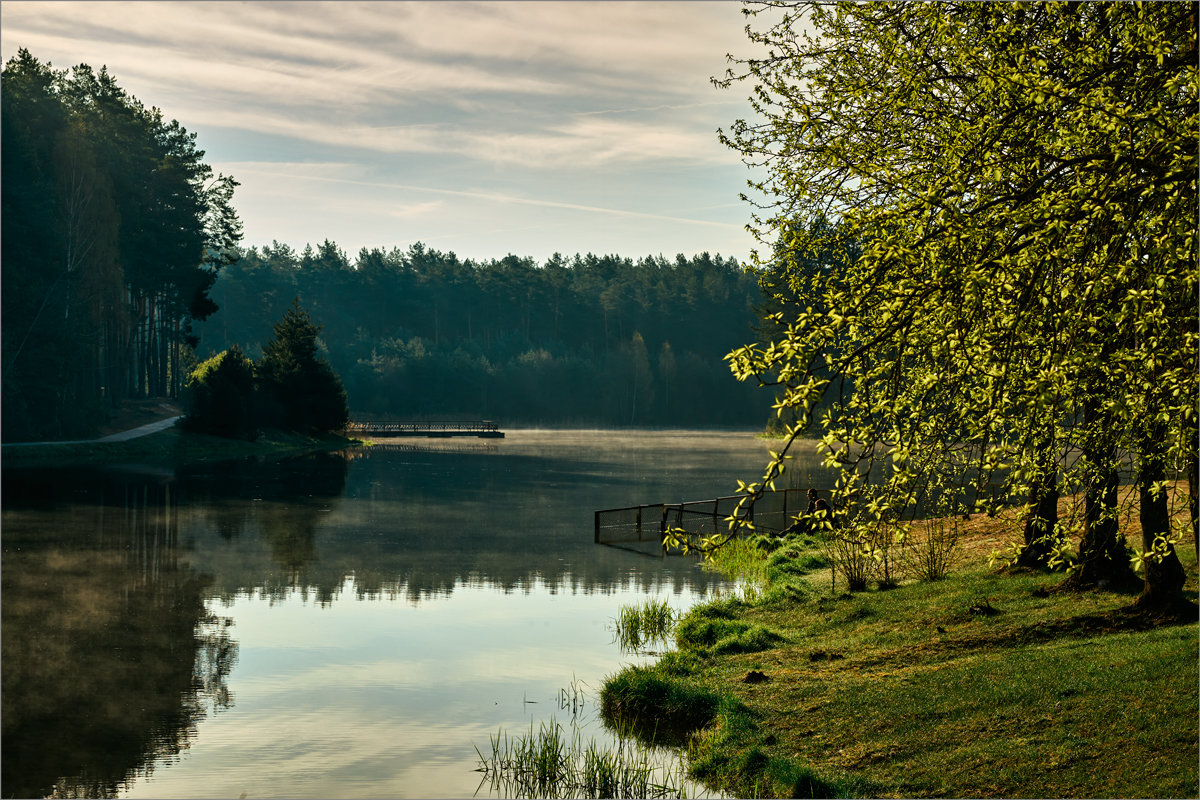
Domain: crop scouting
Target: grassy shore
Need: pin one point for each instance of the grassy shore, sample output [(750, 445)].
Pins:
[(170, 448), (986, 683)]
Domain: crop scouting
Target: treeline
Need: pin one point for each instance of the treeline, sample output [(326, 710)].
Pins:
[(114, 229), (120, 245), (589, 339)]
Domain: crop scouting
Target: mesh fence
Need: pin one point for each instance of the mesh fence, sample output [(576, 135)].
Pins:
[(647, 523)]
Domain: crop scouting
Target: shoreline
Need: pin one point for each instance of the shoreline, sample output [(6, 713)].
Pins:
[(171, 447), (989, 682)]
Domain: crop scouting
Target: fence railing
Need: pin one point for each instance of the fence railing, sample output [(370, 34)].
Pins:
[(483, 428), (772, 511)]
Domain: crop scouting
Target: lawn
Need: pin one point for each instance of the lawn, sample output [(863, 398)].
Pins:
[(987, 683)]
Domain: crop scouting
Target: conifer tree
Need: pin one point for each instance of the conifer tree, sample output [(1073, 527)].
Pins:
[(298, 390)]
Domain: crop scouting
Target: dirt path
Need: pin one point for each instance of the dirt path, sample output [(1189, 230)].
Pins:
[(134, 420)]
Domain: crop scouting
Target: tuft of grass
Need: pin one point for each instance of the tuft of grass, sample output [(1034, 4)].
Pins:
[(655, 705), (546, 763), (741, 560), (648, 622), (981, 683)]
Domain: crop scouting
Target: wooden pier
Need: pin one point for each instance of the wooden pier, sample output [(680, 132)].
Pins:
[(483, 429)]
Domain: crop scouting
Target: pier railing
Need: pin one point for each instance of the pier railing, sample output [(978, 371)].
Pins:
[(437, 428), (772, 511)]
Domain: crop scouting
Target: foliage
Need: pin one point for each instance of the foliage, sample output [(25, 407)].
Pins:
[(222, 396), (596, 340), (298, 390), (111, 221), (1019, 185)]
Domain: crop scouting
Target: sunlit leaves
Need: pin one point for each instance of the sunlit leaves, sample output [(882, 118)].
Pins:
[(1021, 180)]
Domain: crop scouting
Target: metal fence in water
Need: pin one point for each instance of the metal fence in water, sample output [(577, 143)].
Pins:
[(645, 524)]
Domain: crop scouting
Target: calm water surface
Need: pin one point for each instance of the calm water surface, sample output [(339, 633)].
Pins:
[(346, 625)]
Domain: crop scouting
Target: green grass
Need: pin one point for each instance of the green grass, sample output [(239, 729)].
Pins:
[(549, 763), (645, 623), (983, 684), (169, 448)]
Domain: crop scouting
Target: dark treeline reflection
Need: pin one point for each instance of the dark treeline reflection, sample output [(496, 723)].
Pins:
[(413, 522), (113, 580), (110, 657)]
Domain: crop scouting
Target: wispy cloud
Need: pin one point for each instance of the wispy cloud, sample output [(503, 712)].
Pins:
[(323, 173), (575, 106)]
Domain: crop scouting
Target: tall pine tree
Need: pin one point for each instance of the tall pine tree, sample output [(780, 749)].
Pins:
[(298, 390)]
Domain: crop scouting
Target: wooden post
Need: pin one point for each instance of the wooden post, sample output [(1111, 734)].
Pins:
[(597, 515)]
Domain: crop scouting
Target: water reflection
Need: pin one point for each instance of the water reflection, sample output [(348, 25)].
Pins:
[(110, 656), (336, 625)]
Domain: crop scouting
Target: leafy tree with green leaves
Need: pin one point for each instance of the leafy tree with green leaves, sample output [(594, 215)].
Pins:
[(298, 389), (221, 392), (1021, 179)]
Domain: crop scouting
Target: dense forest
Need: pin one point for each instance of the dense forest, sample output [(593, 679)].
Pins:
[(114, 229), (585, 340), (123, 271)]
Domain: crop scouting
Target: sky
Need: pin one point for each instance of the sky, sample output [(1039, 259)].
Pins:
[(480, 128)]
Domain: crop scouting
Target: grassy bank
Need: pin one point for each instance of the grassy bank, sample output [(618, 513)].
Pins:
[(985, 683), (170, 448)]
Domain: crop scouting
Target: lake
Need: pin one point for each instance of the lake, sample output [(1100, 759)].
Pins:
[(350, 624)]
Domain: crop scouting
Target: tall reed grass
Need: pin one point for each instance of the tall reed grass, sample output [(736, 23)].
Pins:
[(649, 622), (548, 763)]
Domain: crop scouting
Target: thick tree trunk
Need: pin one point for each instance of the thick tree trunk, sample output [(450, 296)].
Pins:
[(1103, 555), (1041, 520), (1164, 575)]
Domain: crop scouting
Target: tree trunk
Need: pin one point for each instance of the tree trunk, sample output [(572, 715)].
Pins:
[(1193, 476), (1041, 520), (1103, 555), (1164, 575)]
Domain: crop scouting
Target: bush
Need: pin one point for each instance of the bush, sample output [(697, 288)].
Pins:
[(656, 707), (931, 550), (222, 396)]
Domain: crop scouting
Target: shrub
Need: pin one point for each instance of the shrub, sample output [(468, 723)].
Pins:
[(931, 550), (222, 396), (656, 707)]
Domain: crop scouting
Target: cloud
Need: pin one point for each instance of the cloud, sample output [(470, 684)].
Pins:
[(358, 52), (328, 173), (498, 82), (599, 108)]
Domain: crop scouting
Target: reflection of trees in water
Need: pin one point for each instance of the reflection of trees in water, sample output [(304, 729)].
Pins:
[(284, 500), (110, 658), (408, 528)]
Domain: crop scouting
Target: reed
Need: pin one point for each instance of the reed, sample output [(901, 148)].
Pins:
[(642, 624), (572, 698), (548, 763)]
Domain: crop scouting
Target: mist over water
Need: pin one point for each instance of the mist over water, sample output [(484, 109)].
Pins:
[(350, 624)]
